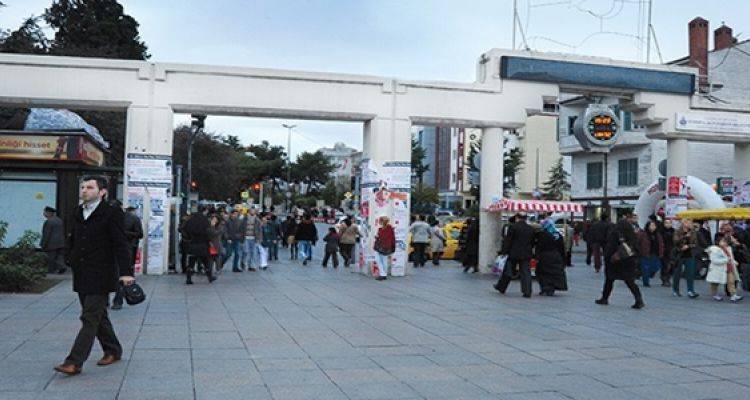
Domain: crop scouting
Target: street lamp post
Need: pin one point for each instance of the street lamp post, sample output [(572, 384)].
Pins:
[(195, 126), (288, 163)]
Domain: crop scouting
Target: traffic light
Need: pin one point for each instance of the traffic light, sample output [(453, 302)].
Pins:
[(256, 186), (194, 185)]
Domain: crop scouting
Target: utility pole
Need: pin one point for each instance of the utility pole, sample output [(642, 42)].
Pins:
[(288, 193), (515, 13), (605, 199), (196, 125), (648, 35)]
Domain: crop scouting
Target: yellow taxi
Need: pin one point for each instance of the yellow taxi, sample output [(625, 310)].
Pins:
[(452, 233)]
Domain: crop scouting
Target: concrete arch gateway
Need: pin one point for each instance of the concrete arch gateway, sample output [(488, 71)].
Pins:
[(509, 86)]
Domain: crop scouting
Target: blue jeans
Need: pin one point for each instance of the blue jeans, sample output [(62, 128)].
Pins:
[(234, 248), (305, 249), (649, 266), (251, 252), (689, 265)]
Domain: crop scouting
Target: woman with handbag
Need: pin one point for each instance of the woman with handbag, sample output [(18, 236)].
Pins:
[(621, 260), (723, 269), (437, 242), (385, 245), (197, 229)]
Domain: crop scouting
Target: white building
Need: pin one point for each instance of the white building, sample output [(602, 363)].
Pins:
[(344, 158), (634, 160)]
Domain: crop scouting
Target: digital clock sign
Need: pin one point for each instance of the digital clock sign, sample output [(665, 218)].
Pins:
[(598, 128)]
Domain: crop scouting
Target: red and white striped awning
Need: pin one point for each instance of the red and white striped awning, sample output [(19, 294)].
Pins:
[(535, 206)]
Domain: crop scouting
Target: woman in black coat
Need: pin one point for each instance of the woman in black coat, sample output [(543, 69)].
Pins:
[(623, 269), (471, 252), (550, 253), (197, 231)]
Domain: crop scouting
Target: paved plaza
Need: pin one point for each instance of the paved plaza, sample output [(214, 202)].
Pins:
[(298, 332)]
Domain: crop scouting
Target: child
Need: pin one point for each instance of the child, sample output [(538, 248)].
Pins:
[(332, 247), (723, 270)]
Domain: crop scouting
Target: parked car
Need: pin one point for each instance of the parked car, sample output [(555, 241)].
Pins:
[(452, 233)]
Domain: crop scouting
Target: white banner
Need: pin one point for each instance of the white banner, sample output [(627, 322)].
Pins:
[(703, 122), (742, 193)]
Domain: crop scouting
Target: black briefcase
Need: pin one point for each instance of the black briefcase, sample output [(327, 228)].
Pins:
[(134, 294)]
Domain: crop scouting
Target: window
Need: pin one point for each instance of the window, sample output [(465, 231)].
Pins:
[(594, 175), (550, 105), (627, 172), (627, 121), (571, 124)]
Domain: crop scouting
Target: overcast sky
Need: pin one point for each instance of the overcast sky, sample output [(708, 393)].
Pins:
[(417, 39)]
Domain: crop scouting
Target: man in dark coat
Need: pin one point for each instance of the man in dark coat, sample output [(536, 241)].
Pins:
[(53, 241), (597, 239), (196, 229), (519, 246), (99, 255), (134, 233), (624, 269)]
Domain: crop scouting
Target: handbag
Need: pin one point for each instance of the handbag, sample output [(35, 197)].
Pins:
[(623, 252), (212, 250), (134, 294), (499, 265)]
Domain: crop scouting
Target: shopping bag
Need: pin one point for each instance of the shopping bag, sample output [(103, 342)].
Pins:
[(375, 270), (499, 264)]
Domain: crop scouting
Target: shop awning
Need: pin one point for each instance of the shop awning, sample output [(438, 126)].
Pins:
[(535, 206)]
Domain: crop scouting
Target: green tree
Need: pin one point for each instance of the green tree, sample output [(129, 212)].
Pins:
[(557, 185), (94, 28), (29, 38), (423, 199), (233, 142), (418, 167), (313, 169), (263, 163)]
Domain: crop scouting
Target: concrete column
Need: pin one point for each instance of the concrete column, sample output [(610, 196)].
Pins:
[(741, 163), (387, 139), (677, 157), (491, 181), (150, 131)]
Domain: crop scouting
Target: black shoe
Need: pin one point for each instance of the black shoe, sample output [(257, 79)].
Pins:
[(666, 284), (497, 287), (264, 268), (380, 278), (188, 282), (602, 302), (251, 269), (527, 295), (211, 279), (117, 306), (236, 270), (324, 266), (646, 285), (638, 305), (304, 262), (61, 271)]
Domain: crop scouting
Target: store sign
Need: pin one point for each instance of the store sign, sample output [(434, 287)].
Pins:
[(50, 148), (725, 185), (711, 123)]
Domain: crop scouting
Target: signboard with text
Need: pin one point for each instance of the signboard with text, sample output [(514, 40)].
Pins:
[(52, 147)]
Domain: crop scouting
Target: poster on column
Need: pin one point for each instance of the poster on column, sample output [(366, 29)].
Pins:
[(391, 198), (677, 199), (149, 178)]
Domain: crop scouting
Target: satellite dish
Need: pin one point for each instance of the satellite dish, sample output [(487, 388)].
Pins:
[(663, 167)]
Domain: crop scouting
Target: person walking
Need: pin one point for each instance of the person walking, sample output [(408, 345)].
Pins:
[(184, 245), (667, 261), (550, 253), (519, 246), (722, 270), (307, 236), (471, 246), (273, 250), (216, 230), (651, 249), (332, 247), (597, 236), (235, 237), (384, 246), (197, 230), (437, 242), (269, 236), (252, 240), (349, 233), (686, 242), (99, 255), (420, 238), (620, 256), (53, 241), (291, 238), (134, 233)]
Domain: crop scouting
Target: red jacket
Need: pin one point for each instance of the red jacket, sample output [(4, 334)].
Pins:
[(385, 241), (644, 244)]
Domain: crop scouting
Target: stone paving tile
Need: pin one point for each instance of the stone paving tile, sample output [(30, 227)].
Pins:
[(294, 333)]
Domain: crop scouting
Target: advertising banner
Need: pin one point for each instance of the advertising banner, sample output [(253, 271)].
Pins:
[(703, 122), (742, 193), (677, 196), (149, 182)]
